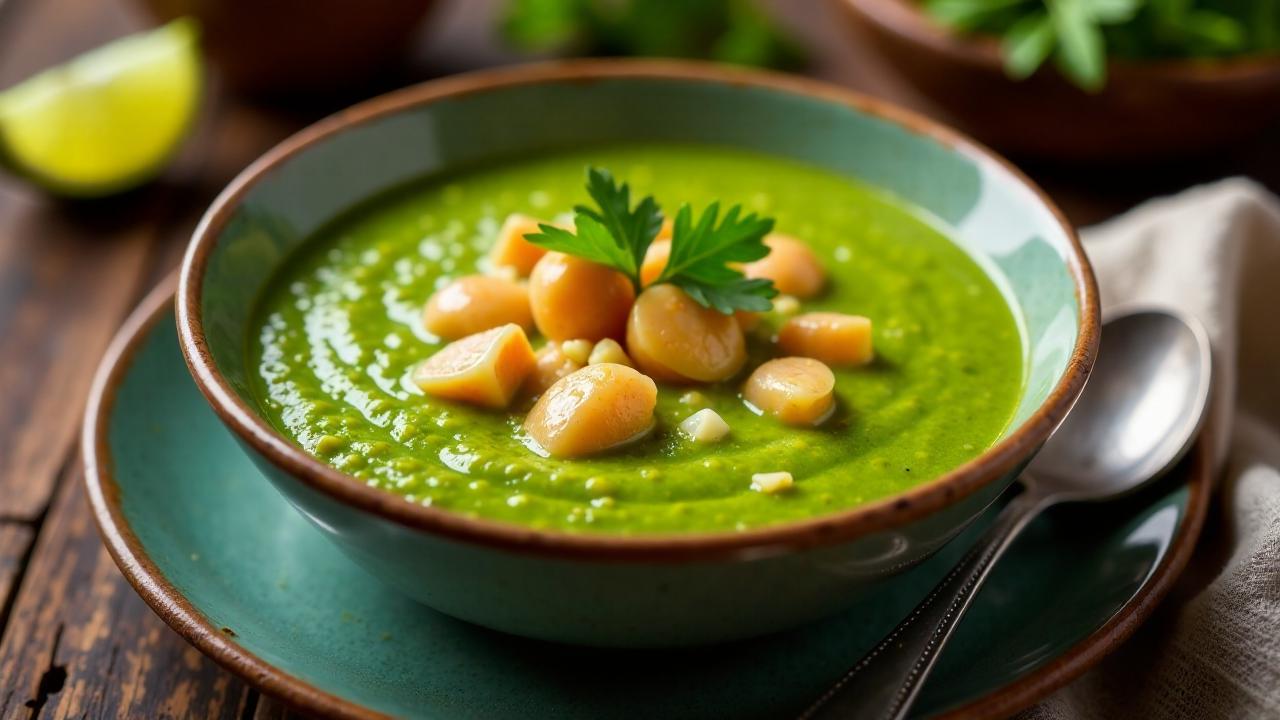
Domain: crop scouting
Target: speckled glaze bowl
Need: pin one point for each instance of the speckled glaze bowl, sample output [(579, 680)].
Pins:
[(634, 591)]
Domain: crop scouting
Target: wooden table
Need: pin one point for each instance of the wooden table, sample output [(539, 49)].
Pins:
[(75, 641)]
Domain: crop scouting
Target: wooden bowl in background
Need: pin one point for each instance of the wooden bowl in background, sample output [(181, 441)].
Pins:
[(1147, 111), (299, 47)]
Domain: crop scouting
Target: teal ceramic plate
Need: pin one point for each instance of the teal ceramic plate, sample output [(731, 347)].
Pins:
[(218, 554)]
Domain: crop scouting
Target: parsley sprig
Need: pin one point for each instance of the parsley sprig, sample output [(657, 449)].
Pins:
[(617, 234), (1079, 35)]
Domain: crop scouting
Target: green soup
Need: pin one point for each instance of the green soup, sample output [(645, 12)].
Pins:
[(339, 331)]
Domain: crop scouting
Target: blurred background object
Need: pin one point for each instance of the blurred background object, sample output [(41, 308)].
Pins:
[(733, 31), (108, 120), (281, 48), (1072, 84)]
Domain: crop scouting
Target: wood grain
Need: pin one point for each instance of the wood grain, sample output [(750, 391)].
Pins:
[(81, 643), (268, 708), (68, 273), (78, 641), (15, 542), (67, 283)]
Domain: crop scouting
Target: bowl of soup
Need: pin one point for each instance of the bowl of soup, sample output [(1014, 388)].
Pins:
[(636, 354)]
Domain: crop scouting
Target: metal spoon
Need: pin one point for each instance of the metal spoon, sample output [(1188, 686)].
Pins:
[(1139, 414)]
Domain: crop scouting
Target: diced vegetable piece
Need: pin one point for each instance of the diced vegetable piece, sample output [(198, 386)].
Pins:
[(833, 338), (655, 261), (552, 364), (512, 250), (747, 320), (693, 397), (483, 369), (476, 303), (791, 265), (506, 272), (592, 410), (574, 298), (578, 351), (772, 483), (786, 305), (666, 231), (609, 351), (704, 426), (671, 337), (796, 390)]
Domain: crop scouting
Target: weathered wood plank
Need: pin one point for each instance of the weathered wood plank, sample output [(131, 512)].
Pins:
[(68, 273), (81, 643), (67, 284), (15, 542), (268, 708)]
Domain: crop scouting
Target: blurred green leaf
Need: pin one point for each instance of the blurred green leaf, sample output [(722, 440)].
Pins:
[(1214, 31), (1028, 44), (735, 31), (1113, 11), (544, 24), (970, 14), (1081, 54), (752, 40), (1265, 19)]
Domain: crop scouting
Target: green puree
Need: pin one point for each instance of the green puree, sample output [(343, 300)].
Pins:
[(339, 331)]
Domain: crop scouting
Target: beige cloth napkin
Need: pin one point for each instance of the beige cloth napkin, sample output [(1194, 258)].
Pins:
[(1212, 650)]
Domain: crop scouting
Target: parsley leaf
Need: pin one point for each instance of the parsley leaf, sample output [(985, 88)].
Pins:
[(701, 253), (1079, 36), (633, 229), (593, 242), (617, 235)]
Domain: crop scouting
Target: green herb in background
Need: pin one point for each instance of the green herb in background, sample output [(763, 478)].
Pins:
[(735, 31), (703, 251), (1079, 35)]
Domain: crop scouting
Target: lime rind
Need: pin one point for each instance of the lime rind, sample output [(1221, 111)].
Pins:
[(107, 120)]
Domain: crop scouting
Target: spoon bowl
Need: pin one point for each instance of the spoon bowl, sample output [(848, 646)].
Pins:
[(1143, 406)]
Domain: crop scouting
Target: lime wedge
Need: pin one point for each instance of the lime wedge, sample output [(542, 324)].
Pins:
[(107, 120)]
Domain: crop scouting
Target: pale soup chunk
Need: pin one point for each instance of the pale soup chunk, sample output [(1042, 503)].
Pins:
[(833, 338), (476, 303), (551, 365), (655, 261), (609, 351), (512, 250), (483, 369), (673, 338), (791, 265), (795, 390), (575, 299), (592, 410)]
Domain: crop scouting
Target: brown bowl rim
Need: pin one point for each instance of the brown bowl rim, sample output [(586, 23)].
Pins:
[(906, 20), (840, 526), (138, 568)]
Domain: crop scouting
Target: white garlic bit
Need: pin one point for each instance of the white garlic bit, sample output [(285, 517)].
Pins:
[(608, 351), (772, 483), (578, 351), (786, 305), (704, 426)]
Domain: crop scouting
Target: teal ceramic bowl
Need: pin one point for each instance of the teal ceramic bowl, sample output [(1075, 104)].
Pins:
[(649, 590)]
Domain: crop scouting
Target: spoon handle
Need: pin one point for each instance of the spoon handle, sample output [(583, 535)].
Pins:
[(886, 681)]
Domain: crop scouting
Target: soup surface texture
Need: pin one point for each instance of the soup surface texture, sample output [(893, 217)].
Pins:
[(339, 330)]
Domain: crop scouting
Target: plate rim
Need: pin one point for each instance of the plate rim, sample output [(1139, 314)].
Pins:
[(131, 557)]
